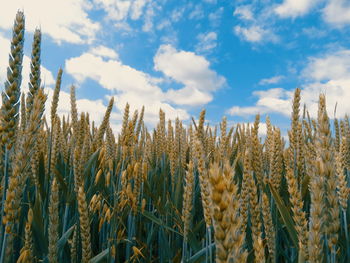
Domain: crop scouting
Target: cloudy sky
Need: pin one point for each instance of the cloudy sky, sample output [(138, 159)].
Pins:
[(234, 58)]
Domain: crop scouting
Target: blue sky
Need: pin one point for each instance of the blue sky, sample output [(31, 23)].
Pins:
[(234, 58)]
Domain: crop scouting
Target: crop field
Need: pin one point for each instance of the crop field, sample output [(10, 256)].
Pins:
[(72, 191)]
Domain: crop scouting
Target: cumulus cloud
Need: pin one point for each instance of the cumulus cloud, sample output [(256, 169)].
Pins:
[(137, 8), (334, 12), (252, 34), (62, 20), (187, 68), (148, 21), (123, 27), (111, 74), (191, 70), (121, 9), (330, 66), (138, 88), (255, 25), (328, 74), (207, 42), (271, 100), (258, 22), (125, 83), (165, 23), (115, 9), (272, 80), (104, 52), (295, 8), (188, 96), (255, 34), (244, 12), (337, 12)]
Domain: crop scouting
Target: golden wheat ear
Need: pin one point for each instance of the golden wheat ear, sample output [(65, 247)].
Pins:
[(84, 226), (34, 75), (53, 222), (12, 92), (55, 98)]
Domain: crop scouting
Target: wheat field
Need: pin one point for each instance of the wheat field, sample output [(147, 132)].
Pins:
[(74, 192)]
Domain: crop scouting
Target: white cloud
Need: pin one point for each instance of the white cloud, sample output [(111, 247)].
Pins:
[(137, 8), (187, 68), (163, 24), (126, 85), (275, 100), (252, 34), (104, 52), (62, 20), (255, 34), (116, 10), (271, 100), (188, 96), (148, 21), (244, 12), (272, 80), (334, 12), (255, 23), (123, 27), (171, 37), (120, 11), (337, 12), (328, 74), (207, 42), (331, 66), (244, 111), (190, 70), (111, 74), (138, 88), (295, 8)]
